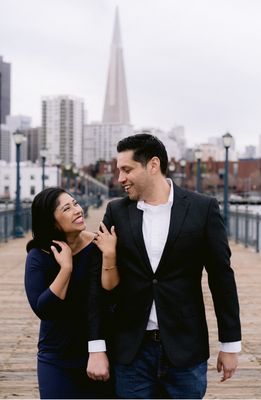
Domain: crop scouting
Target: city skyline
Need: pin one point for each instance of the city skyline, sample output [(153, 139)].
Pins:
[(187, 63)]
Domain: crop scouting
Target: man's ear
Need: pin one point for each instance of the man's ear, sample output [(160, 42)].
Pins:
[(154, 164)]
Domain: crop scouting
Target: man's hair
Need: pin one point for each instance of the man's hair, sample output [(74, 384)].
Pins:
[(145, 146)]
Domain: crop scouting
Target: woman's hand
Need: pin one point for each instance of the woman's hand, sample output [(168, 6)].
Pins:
[(64, 257), (106, 241)]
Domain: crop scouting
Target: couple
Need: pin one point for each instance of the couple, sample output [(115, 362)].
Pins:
[(165, 237)]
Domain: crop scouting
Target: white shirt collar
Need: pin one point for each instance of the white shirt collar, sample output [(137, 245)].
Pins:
[(142, 205)]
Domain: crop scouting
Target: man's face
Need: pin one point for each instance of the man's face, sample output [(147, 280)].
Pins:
[(133, 176)]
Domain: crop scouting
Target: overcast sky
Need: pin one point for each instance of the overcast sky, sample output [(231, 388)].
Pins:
[(195, 63)]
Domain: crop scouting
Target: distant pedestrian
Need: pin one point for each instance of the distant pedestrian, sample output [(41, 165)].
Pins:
[(62, 282)]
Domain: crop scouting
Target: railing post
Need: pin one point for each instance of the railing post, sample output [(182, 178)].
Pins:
[(236, 225), (246, 227), (257, 233)]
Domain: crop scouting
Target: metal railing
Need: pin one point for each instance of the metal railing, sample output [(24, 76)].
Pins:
[(7, 221), (245, 227)]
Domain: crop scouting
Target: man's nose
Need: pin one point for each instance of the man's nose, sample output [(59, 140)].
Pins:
[(121, 177)]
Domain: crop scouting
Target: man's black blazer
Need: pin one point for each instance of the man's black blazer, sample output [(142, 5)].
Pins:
[(196, 239)]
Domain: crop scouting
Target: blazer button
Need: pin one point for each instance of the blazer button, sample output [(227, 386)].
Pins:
[(155, 281)]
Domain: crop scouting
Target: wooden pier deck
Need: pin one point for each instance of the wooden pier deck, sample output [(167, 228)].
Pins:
[(19, 326)]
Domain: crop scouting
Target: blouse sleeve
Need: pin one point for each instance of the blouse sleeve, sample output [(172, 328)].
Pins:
[(45, 304)]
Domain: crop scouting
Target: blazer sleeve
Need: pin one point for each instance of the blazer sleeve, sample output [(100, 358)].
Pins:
[(95, 298), (221, 278), (108, 219)]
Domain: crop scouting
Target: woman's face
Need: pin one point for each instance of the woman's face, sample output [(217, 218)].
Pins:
[(69, 215)]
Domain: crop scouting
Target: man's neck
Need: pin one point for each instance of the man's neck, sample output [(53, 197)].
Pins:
[(159, 194)]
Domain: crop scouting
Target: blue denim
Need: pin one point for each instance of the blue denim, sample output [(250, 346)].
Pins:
[(152, 376), (56, 382)]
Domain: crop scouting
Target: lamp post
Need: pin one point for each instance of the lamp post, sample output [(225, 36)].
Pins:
[(86, 185), (43, 154), (172, 168), (18, 230), (182, 163), (58, 166), (198, 155), (75, 174), (68, 168), (227, 141)]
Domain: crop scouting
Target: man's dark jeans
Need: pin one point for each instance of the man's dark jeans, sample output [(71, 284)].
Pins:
[(151, 376)]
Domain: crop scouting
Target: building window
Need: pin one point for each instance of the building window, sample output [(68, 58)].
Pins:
[(32, 190), (6, 191), (32, 177)]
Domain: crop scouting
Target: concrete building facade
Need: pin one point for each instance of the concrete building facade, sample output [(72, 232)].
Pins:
[(62, 129), (31, 179), (5, 90)]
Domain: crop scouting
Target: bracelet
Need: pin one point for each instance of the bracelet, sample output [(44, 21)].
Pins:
[(108, 268)]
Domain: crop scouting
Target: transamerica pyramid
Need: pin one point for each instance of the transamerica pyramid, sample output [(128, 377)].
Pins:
[(116, 109)]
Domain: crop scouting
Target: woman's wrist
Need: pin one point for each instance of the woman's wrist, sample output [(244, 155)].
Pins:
[(109, 267), (66, 268), (109, 258)]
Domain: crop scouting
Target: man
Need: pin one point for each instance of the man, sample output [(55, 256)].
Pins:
[(165, 237)]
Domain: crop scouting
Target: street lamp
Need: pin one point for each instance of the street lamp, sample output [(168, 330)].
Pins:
[(43, 154), (58, 166), (75, 174), (227, 141), (182, 163), (18, 230), (68, 168), (172, 168), (198, 155), (81, 175)]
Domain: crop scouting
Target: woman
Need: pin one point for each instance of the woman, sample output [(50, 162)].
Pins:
[(62, 282)]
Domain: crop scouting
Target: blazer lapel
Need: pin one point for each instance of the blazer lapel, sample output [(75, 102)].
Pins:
[(178, 213), (136, 226)]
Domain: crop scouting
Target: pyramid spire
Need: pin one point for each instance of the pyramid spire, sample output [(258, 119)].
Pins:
[(116, 109)]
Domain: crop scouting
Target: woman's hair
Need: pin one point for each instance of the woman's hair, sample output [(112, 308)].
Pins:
[(44, 228)]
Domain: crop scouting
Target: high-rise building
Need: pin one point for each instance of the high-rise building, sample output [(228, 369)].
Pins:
[(21, 123), (5, 90), (62, 129), (100, 139), (5, 144), (116, 109), (33, 137)]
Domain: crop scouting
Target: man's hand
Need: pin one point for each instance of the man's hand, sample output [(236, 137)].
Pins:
[(227, 362), (98, 366)]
